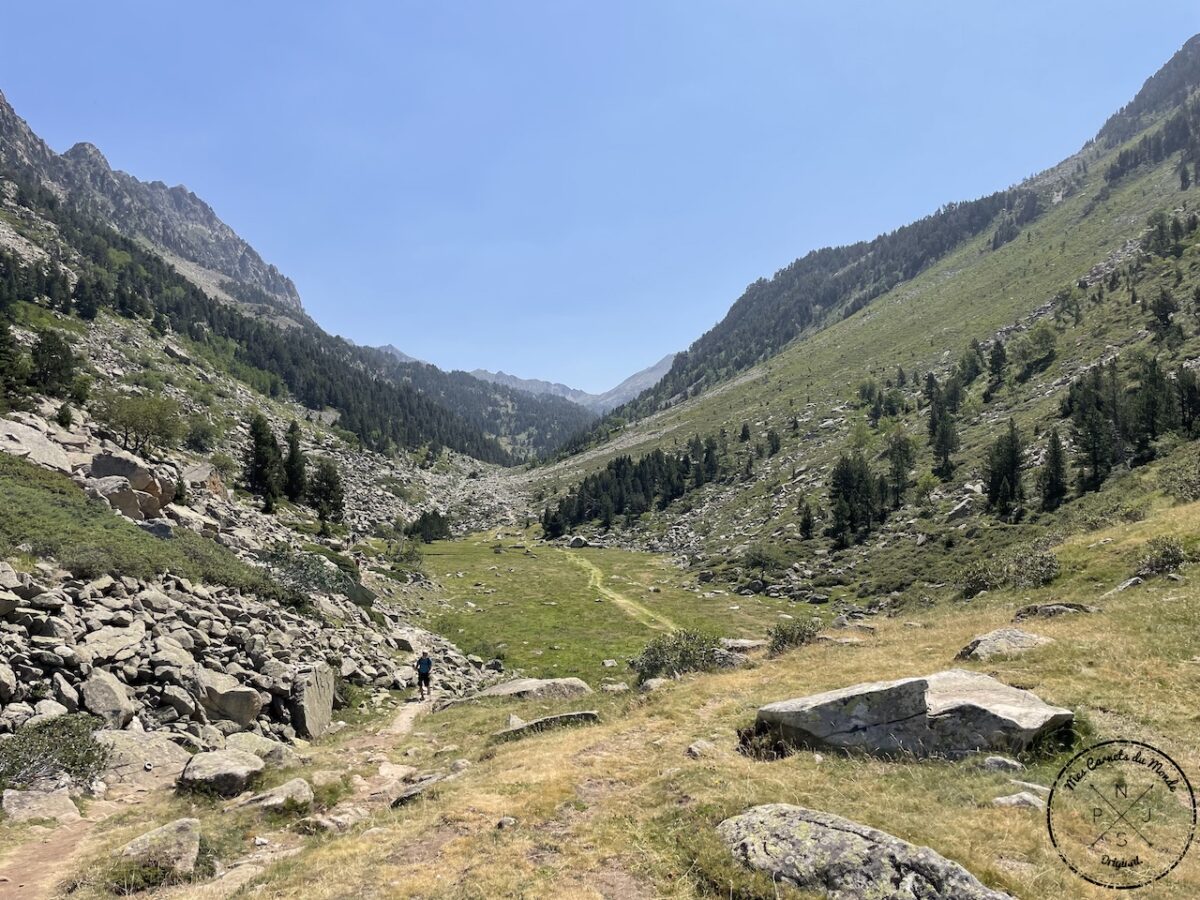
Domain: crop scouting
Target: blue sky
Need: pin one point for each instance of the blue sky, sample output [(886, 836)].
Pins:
[(570, 190)]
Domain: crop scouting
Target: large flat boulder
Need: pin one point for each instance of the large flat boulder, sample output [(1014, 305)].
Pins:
[(537, 689), (1002, 642), (312, 701), (111, 644), (141, 759), (31, 806), (225, 773), (562, 720), (948, 714), (296, 794), (824, 853), (117, 492), (34, 445), (272, 752)]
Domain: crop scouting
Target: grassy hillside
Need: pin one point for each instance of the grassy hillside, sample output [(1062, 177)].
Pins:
[(620, 810), (923, 326)]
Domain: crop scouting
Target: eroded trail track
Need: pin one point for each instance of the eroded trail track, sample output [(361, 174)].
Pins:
[(629, 606)]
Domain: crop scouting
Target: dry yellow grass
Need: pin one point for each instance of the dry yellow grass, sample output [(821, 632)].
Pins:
[(619, 810)]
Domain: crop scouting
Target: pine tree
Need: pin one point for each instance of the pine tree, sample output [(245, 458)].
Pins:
[(295, 475), (997, 360), (53, 364), (325, 492), (1093, 437), (900, 456), (1052, 479), (263, 465), (806, 520), (773, 442), (945, 445), (745, 433), (1002, 471)]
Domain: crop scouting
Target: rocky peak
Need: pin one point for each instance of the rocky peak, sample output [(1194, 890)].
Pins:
[(172, 219)]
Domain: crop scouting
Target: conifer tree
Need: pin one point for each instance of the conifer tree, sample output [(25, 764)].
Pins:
[(325, 493), (1002, 471), (295, 474), (945, 445), (263, 465), (1052, 479), (806, 520)]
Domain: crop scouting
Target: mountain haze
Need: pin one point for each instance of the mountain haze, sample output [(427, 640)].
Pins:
[(627, 390)]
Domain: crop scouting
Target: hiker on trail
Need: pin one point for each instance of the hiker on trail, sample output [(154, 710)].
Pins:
[(424, 667)]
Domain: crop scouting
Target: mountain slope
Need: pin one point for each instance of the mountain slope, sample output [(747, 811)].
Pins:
[(172, 220), (1114, 236)]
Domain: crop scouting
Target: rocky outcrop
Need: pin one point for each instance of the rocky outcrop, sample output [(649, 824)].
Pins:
[(141, 759), (948, 714), (103, 695), (296, 794), (824, 853), (1002, 642)]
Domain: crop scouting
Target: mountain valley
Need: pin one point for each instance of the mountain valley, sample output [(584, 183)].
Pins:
[(874, 557)]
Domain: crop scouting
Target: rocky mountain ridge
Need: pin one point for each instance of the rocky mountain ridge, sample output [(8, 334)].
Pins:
[(173, 220), (597, 403)]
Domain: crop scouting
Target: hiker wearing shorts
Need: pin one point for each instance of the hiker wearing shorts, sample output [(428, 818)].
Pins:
[(424, 667)]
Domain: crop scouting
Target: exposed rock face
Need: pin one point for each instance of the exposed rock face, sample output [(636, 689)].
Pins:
[(948, 714), (1002, 642), (222, 772), (312, 701), (29, 806), (170, 218), (1051, 610), (583, 717), (32, 443), (825, 853), (173, 848)]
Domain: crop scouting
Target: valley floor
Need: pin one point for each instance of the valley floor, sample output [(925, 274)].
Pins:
[(621, 810)]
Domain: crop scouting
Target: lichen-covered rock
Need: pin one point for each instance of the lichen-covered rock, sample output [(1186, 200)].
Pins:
[(171, 849), (222, 772), (820, 852), (948, 714), (1002, 642)]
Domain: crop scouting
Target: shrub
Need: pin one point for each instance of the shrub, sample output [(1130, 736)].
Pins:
[(60, 746), (1179, 478), (1163, 555), (142, 423), (676, 653), (65, 417), (202, 435), (1023, 567), (787, 635)]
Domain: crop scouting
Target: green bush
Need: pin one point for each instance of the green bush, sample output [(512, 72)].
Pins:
[(1163, 555), (60, 746), (788, 635), (676, 653), (1023, 567), (1179, 477)]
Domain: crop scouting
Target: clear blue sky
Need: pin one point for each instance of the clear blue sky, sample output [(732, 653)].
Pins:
[(570, 190)]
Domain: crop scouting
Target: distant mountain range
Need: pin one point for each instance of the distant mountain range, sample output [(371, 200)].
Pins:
[(627, 390)]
